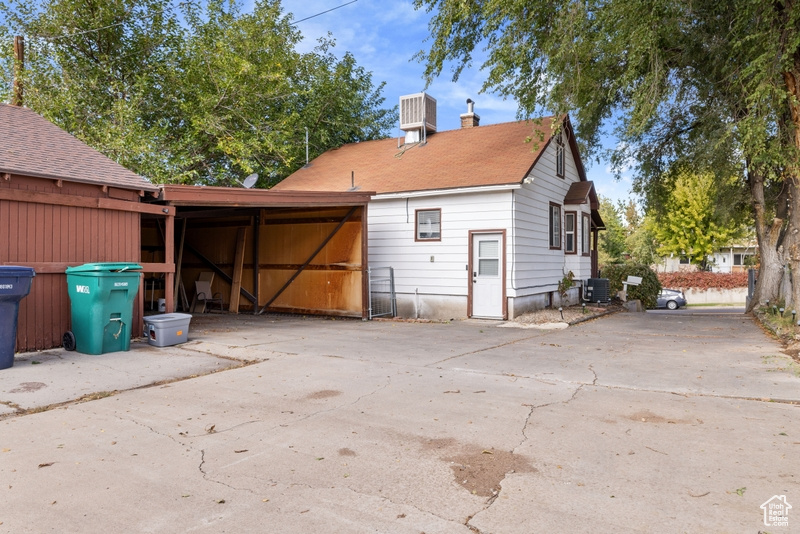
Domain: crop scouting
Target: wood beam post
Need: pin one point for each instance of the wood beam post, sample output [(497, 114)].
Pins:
[(169, 258), (238, 266), (256, 258), (365, 296), (180, 260)]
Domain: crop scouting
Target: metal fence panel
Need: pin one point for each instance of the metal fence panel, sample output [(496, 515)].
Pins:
[(382, 300)]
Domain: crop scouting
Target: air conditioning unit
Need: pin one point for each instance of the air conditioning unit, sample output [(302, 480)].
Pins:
[(597, 290), (418, 111)]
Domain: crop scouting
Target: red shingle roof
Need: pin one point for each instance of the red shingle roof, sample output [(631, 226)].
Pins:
[(486, 155), (33, 146)]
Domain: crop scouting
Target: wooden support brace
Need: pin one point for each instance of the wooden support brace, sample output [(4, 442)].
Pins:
[(310, 259), (249, 296)]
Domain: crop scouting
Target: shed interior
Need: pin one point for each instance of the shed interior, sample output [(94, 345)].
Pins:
[(309, 259)]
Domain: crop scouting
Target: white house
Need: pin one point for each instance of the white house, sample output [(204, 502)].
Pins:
[(481, 222), (732, 259), (736, 258)]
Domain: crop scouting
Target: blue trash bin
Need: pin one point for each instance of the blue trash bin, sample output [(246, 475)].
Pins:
[(15, 284)]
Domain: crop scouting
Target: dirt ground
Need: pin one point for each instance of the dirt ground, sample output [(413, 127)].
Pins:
[(570, 314)]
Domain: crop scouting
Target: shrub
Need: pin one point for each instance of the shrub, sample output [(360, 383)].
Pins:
[(703, 280), (647, 291)]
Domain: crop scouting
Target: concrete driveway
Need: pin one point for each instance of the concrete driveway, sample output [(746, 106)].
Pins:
[(629, 423)]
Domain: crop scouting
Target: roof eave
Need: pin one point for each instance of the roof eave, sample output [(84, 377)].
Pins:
[(448, 191), (189, 195), (144, 186)]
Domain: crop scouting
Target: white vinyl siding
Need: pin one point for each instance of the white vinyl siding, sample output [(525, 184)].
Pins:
[(433, 267), (439, 268), (536, 268)]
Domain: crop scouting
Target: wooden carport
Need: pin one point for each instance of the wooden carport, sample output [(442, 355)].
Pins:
[(280, 251)]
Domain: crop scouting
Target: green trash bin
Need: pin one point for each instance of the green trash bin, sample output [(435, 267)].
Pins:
[(101, 299)]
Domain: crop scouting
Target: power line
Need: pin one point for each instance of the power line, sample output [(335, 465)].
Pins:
[(295, 23), (68, 35)]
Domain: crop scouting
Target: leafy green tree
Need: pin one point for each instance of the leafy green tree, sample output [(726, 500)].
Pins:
[(611, 243), (251, 97), (691, 226), (92, 69), (192, 94), (712, 84), (641, 242)]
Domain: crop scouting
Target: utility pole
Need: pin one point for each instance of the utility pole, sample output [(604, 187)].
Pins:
[(19, 67)]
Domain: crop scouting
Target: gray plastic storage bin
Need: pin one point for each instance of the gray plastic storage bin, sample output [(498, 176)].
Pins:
[(167, 329)]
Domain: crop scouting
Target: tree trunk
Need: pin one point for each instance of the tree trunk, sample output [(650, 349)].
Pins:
[(792, 236), (770, 272), (791, 245)]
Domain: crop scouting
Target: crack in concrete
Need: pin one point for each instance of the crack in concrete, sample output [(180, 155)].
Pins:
[(215, 431), (404, 505), (473, 528), (137, 423), (484, 349), (594, 382), (13, 406), (241, 361), (337, 407), (554, 381), (209, 478), (688, 394), (206, 476), (490, 501)]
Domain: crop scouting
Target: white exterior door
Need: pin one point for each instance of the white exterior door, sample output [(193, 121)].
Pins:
[(487, 276)]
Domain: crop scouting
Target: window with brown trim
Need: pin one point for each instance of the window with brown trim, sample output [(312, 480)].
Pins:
[(560, 154), (586, 235), (570, 232), (428, 225), (555, 226)]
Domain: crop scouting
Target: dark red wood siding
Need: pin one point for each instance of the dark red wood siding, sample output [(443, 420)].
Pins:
[(49, 237)]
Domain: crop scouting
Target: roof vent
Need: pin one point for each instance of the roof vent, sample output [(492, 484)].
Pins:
[(417, 114)]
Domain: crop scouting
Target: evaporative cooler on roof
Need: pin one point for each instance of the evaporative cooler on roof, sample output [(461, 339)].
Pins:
[(417, 116)]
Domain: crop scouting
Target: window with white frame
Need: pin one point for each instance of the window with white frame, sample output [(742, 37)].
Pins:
[(585, 235), (555, 226), (560, 154), (570, 245), (429, 225)]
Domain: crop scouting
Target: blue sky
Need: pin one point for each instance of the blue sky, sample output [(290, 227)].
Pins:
[(384, 36)]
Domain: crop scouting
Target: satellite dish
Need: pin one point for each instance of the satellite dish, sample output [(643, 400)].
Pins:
[(250, 181)]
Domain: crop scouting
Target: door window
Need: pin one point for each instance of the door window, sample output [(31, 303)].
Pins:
[(488, 258)]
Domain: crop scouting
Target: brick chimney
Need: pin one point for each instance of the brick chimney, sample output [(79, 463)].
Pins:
[(470, 119)]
